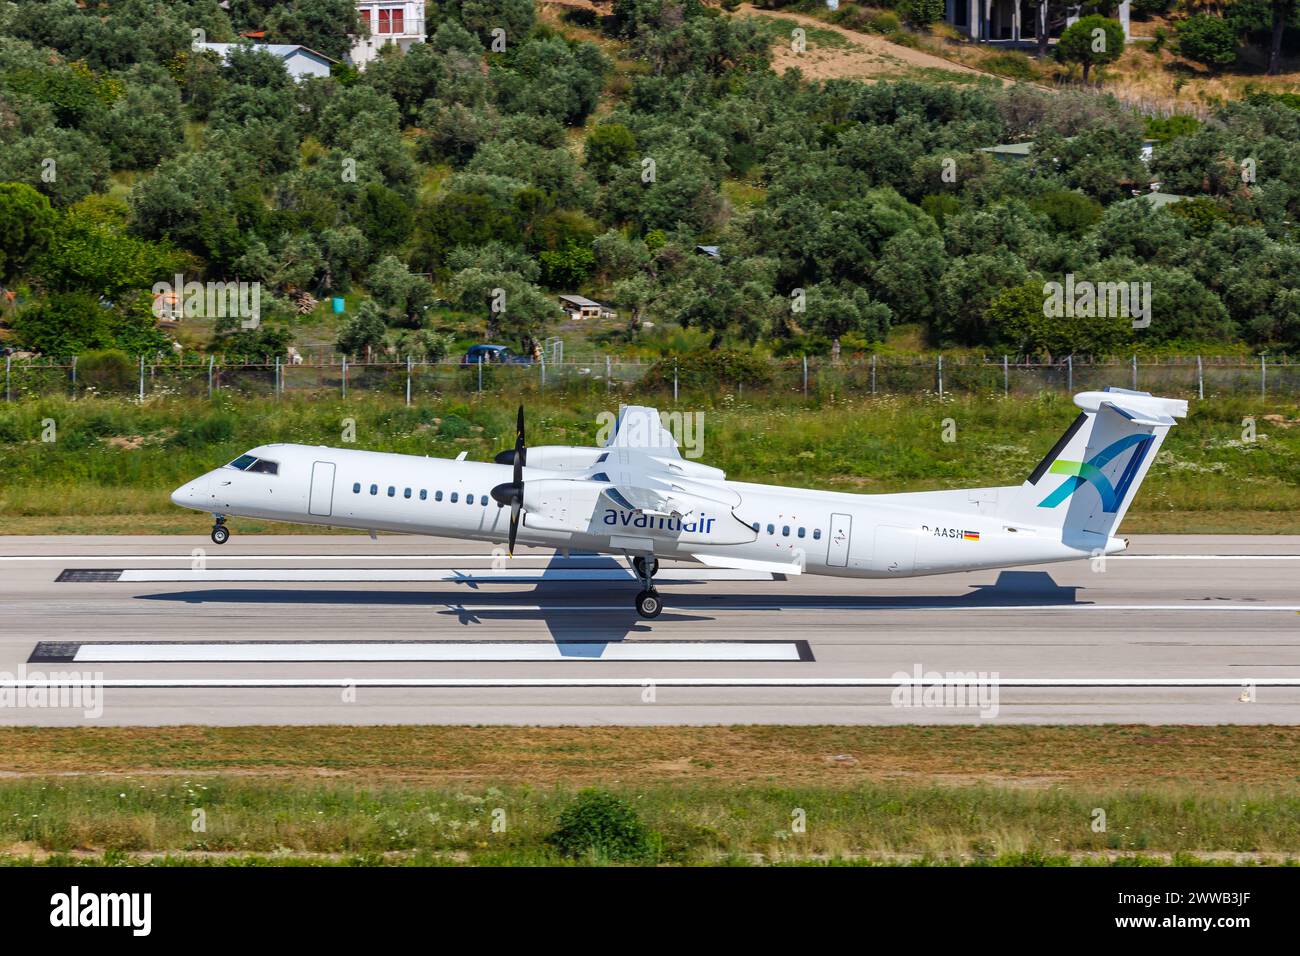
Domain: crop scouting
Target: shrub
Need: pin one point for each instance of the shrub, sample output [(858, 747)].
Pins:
[(922, 13), (708, 368), (604, 826), (108, 371), (884, 21), (1018, 66), (1208, 40)]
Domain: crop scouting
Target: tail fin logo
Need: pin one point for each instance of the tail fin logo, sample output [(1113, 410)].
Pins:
[(1090, 471)]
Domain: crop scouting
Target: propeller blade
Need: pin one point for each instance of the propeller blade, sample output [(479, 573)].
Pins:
[(519, 427), (514, 526)]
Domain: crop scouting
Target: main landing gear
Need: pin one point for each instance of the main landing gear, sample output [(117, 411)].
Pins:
[(220, 533), (647, 601)]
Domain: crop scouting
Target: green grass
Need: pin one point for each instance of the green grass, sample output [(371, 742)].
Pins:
[(118, 458), (330, 796)]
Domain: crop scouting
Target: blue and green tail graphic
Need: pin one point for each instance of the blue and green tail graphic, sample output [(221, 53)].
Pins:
[(1090, 472)]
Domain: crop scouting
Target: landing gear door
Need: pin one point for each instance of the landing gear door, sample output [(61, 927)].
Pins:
[(321, 498)]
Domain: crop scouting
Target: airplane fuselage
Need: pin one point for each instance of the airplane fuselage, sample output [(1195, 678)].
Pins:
[(778, 528)]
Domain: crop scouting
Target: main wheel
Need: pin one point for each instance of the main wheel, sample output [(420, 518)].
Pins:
[(646, 567), (648, 604), (220, 534)]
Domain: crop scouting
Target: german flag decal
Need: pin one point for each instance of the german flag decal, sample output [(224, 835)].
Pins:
[(970, 535)]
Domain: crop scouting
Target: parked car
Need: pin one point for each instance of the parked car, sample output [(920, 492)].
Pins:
[(493, 355)]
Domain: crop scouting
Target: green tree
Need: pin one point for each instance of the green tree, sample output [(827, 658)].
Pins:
[(1091, 41), (26, 225), (363, 332), (1209, 40)]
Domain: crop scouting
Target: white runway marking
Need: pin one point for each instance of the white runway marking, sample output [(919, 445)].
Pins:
[(483, 651), (477, 575), (213, 555), (964, 608), (547, 682)]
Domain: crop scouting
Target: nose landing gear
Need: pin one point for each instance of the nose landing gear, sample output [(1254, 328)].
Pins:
[(220, 533), (647, 601)]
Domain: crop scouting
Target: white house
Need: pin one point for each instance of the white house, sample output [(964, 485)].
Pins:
[(991, 21), (299, 61), (384, 22)]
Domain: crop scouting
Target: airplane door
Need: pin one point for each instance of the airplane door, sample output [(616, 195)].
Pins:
[(321, 498), (841, 526)]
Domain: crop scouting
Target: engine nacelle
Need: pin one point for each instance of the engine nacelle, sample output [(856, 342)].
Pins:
[(563, 457)]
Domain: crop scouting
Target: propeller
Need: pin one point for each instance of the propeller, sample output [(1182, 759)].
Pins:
[(512, 492), (520, 450)]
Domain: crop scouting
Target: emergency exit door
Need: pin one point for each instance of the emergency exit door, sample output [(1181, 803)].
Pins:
[(841, 527)]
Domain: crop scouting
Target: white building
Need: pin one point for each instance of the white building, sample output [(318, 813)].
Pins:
[(299, 61), (991, 21), (384, 22)]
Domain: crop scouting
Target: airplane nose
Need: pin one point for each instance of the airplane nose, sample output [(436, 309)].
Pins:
[(190, 494)]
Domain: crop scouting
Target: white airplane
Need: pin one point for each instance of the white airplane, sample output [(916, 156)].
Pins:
[(638, 498)]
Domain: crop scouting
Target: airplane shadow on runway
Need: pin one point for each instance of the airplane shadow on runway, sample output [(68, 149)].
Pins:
[(566, 607)]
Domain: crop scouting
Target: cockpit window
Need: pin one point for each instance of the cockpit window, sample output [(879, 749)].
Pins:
[(265, 467), (242, 462)]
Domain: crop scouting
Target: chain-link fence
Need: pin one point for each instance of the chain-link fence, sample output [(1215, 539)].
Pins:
[(1186, 376)]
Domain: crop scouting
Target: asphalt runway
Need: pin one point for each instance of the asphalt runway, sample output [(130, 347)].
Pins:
[(345, 629)]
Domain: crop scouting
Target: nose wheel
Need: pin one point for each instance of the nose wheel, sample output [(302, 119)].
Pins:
[(220, 533)]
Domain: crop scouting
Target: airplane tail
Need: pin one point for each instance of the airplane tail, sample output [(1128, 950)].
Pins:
[(1085, 484)]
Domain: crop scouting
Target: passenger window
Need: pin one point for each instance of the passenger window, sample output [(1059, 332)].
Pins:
[(437, 496), (406, 493), (356, 488), (755, 527), (455, 496), (785, 531), (374, 489), (771, 529), (801, 532), (817, 534), (469, 499), (391, 491), (483, 500), (423, 494), (264, 467)]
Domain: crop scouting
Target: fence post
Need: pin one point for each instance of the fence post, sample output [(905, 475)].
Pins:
[(1006, 378), (805, 375), (941, 375), (211, 359), (279, 381), (609, 382), (1200, 379), (408, 380), (873, 373), (345, 376), (1135, 372), (142, 378), (1069, 373), (74, 376), (542, 354), (674, 379), (480, 374), (1263, 378), (8, 395)]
